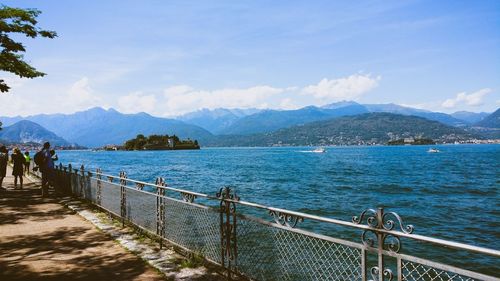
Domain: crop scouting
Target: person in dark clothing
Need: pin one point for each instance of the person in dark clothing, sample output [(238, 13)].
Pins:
[(47, 169), (18, 169), (4, 157)]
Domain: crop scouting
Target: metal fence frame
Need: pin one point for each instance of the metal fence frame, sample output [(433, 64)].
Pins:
[(263, 249)]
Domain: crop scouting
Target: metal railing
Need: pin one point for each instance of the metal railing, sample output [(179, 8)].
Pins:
[(265, 243)]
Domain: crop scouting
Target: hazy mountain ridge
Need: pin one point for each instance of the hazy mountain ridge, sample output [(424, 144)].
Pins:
[(216, 120), (490, 121), (272, 120), (25, 131), (97, 127), (470, 117), (368, 128), (404, 110)]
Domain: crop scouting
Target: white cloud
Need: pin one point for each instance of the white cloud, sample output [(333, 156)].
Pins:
[(137, 102), (81, 95), (181, 99), (473, 99), (288, 103), (177, 90), (32, 96), (40, 96), (348, 88)]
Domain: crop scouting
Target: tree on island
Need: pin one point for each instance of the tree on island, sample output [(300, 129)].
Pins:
[(159, 142), (18, 21)]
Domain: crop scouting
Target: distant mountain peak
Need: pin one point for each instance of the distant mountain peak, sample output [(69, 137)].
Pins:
[(339, 104), (26, 131)]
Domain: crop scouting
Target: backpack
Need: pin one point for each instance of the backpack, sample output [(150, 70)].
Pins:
[(39, 158)]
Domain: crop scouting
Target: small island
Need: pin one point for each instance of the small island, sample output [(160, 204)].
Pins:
[(160, 142)]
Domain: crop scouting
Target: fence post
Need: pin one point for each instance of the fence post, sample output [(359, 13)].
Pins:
[(98, 173), (65, 180), (123, 200), (82, 181), (373, 237), (70, 182), (58, 181), (229, 248), (160, 210)]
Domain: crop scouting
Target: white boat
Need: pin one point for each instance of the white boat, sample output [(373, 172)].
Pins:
[(319, 150), (433, 150)]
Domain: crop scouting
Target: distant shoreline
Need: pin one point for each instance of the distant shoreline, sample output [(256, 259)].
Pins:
[(290, 146)]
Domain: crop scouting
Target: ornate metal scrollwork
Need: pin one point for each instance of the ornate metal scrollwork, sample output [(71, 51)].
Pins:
[(371, 220), (123, 178), (389, 223), (226, 193), (375, 272), (188, 197), (286, 219), (380, 220), (393, 243), (160, 182), (139, 186), (228, 224), (371, 240), (110, 178)]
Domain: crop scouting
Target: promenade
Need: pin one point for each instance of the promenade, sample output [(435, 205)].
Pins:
[(40, 239)]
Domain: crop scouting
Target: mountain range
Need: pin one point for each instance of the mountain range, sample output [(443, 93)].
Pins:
[(223, 121), (26, 131), (367, 128), (96, 127)]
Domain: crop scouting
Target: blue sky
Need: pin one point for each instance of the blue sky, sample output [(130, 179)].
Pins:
[(171, 57)]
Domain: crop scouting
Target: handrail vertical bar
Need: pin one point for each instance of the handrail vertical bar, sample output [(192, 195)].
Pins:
[(99, 187), (123, 199), (380, 242), (81, 181), (160, 210), (363, 264), (228, 221), (400, 269)]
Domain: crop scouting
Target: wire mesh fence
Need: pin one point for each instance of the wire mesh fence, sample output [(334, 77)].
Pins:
[(217, 228)]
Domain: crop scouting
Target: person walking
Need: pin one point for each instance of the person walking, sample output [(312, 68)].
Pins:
[(4, 157), (47, 169), (27, 162), (18, 169)]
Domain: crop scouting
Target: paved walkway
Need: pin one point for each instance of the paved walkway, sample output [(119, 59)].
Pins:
[(42, 240)]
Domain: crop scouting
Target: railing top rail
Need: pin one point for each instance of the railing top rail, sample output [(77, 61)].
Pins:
[(437, 241), (422, 238), (162, 187)]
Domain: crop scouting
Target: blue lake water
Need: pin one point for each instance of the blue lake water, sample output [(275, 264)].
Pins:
[(451, 195)]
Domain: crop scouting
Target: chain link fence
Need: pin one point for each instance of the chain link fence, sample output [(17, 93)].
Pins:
[(276, 248)]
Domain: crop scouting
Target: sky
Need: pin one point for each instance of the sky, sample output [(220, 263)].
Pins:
[(168, 58)]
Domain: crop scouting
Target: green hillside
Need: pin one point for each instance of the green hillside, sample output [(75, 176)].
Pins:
[(490, 121), (370, 128)]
